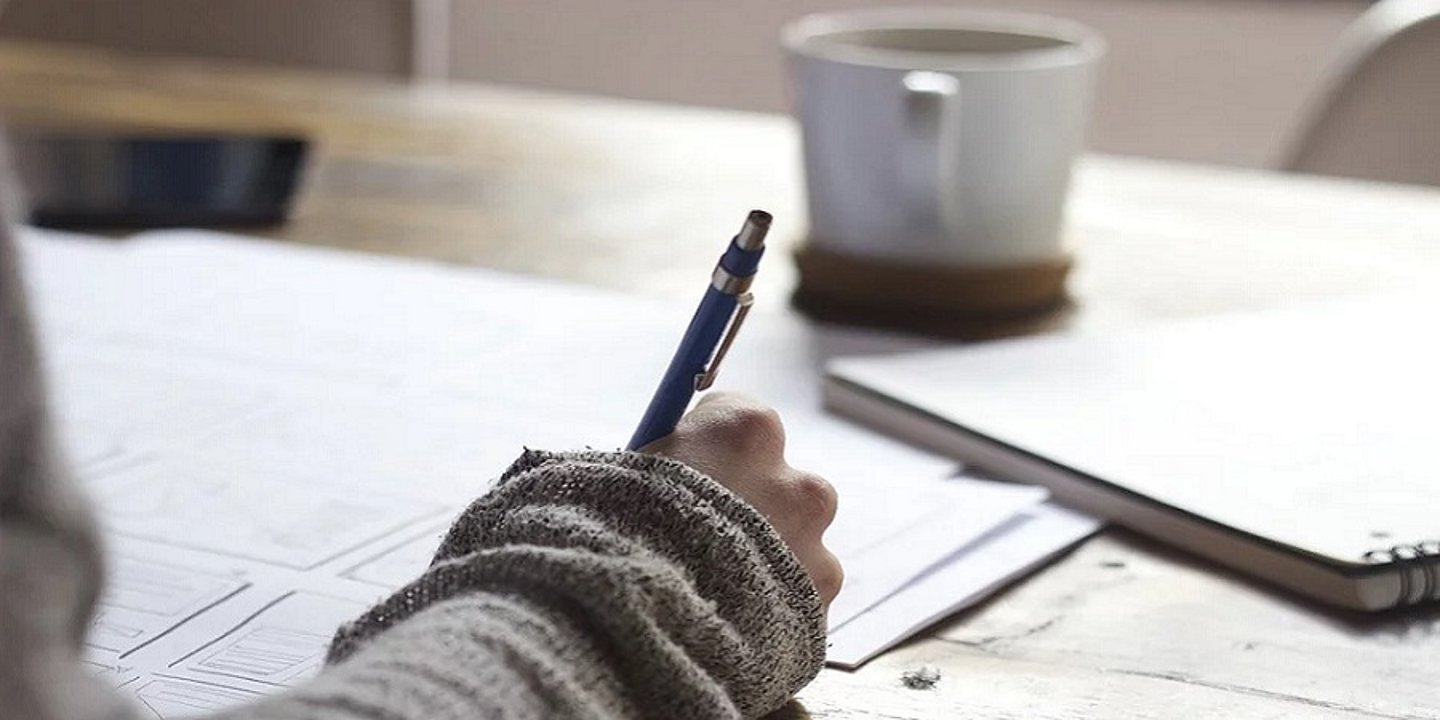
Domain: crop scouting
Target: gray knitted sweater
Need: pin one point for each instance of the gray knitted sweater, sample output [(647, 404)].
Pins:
[(592, 585)]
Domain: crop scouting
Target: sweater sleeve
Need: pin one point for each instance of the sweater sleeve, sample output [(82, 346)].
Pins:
[(50, 566), (587, 585)]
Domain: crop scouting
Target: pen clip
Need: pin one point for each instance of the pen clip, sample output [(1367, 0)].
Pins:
[(705, 379)]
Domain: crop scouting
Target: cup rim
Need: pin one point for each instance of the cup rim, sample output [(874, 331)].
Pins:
[(805, 37)]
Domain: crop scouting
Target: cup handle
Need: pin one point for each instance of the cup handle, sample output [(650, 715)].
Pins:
[(932, 100)]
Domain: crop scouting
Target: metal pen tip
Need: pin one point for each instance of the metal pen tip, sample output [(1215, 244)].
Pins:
[(752, 233)]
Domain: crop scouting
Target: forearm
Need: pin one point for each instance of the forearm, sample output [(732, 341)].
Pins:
[(587, 585), (479, 655)]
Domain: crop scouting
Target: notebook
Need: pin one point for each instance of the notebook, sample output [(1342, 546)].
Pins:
[(1297, 445)]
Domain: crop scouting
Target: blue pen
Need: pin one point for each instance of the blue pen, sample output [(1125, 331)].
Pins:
[(711, 330)]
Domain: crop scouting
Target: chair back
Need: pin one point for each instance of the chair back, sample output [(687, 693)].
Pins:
[(1377, 112)]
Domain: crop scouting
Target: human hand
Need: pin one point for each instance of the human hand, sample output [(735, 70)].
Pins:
[(741, 444)]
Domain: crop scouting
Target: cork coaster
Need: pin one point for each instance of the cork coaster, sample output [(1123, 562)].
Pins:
[(957, 302)]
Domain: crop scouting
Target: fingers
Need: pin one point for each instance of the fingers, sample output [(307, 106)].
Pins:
[(825, 571), (728, 437), (799, 504), (815, 497), (741, 444), (805, 510), (738, 424)]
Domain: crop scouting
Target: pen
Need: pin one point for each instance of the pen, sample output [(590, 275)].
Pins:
[(712, 329)]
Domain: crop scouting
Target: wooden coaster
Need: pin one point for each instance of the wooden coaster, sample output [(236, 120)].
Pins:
[(958, 302)]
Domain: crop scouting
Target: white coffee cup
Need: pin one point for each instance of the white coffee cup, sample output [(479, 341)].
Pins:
[(940, 136)]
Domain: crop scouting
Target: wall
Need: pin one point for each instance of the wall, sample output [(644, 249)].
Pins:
[(1207, 80), (370, 36)]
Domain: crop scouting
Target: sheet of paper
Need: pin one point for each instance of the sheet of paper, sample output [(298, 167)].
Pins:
[(904, 543), (276, 437), (967, 576)]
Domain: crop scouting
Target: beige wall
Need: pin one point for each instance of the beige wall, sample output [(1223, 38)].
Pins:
[(1208, 80), (371, 36)]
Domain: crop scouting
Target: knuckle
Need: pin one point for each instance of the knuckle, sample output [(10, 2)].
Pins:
[(753, 428), (829, 576), (816, 495), (756, 419)]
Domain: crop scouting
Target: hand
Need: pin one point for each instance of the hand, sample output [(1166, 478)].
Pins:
[(741, 444)]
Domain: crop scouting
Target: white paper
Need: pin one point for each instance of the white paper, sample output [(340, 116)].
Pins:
[(875, 570), (1309, 426), (276, 437), (967, 576)]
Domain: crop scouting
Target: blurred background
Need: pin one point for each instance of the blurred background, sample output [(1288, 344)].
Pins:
[(1230, 82)]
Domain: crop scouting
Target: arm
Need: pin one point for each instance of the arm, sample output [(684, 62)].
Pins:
[(604, 585)]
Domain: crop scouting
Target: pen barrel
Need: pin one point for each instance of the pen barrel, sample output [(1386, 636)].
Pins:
[(702, 339), (741, 262), (677, 386)]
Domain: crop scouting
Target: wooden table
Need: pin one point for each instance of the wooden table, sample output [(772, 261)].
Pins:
[(634, 196)]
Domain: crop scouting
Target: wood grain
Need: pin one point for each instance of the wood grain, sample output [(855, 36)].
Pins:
[(635, 197)]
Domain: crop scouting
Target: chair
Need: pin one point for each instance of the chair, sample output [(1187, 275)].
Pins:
[(1377, 114)]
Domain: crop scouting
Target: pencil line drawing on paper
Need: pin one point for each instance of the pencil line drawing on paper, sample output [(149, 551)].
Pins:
[(144, 600), (433, 450), (167, 698), (398, 564), (157, 405), (265, 652), (286, 521), (112, 674), (278, 644), (160, 588)]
